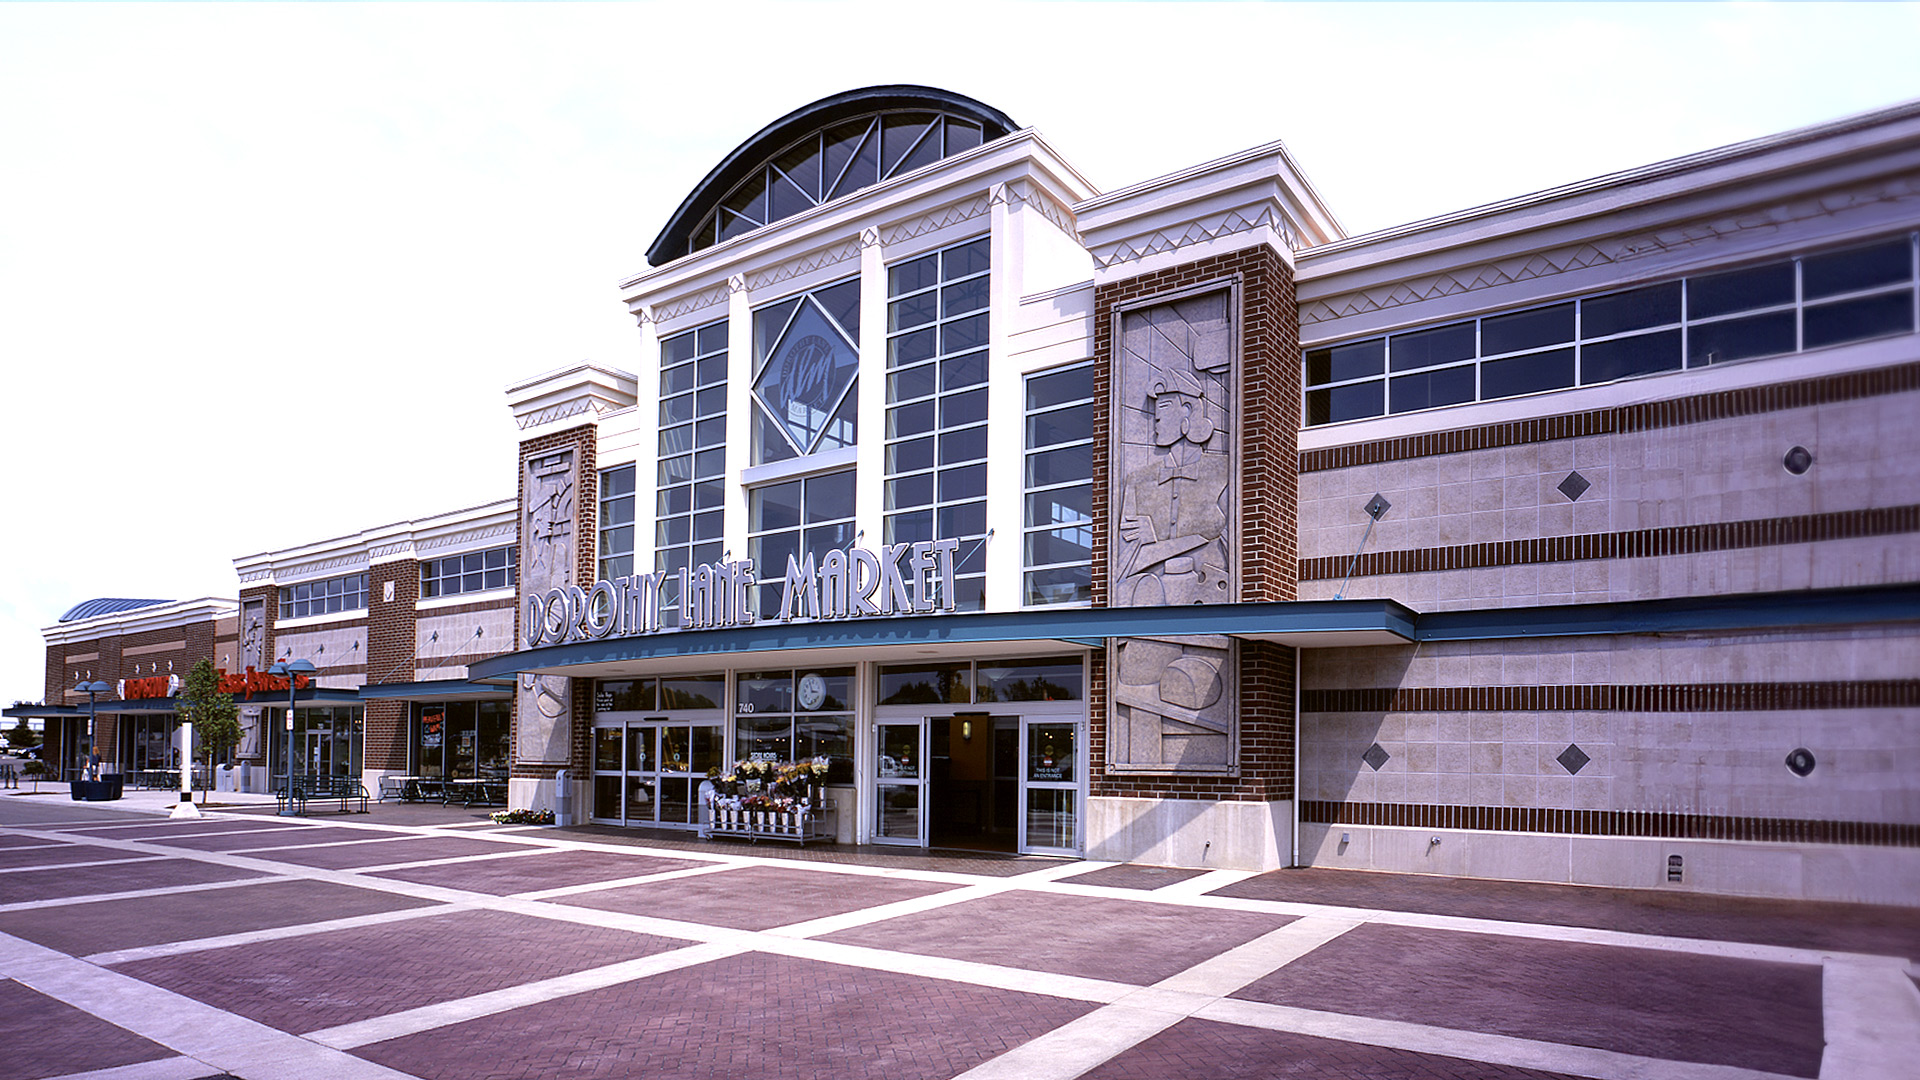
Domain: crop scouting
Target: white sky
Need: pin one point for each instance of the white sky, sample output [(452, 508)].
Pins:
[(266, 270)]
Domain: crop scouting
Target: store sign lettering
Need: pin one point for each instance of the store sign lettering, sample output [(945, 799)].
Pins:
[(153, 686), (844, 583), (257, 681)]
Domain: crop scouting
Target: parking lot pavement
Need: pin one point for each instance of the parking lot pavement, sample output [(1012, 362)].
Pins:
[(414, 944)]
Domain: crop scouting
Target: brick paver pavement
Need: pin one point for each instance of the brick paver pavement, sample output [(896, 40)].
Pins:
[(755, 897), (1121, 940), (1232, 1052), (543, 870), (43, 1037), (1865, 928), (1720, 1010), (388, 967), (33, 885), (513, 955), (757, 1016), (152, 920), (388, 852)]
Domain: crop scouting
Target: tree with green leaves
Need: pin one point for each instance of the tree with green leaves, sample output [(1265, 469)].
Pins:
[(21, 736), (214, 716)]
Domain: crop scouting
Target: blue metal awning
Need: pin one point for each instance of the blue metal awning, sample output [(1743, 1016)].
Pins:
[(435, 690), (1313, 624)]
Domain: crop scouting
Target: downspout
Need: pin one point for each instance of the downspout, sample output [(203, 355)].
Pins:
[(1296, 758)]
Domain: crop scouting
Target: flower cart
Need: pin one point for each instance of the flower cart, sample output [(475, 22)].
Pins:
[(768, 800)]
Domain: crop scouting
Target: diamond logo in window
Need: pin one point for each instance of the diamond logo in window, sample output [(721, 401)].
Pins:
[(807, 375)]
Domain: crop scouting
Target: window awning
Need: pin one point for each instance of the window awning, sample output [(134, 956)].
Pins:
[(435, 690)]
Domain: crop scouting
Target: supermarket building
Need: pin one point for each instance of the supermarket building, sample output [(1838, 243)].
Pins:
[(1567, 538)]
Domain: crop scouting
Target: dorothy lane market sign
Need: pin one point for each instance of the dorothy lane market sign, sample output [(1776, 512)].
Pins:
[(845, 583)]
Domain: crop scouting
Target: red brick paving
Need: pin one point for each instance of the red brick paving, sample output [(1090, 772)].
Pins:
[(755, 897), (389, 967), (1131, 876), (1122, 940), (1867, 928), (758, 1016), (65, 853), (528, 873), (1196, 1048), (257, 838), (42, 1037), (109, 925), (94, 880), (386, 852), (15, 841), (1747, 1013)]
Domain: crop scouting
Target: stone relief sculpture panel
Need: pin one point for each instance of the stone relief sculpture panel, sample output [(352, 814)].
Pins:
[(253, 654), (1174, 705), (548, 525)]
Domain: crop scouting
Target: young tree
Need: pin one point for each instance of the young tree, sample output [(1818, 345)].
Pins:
[(21, 736), (215, 718)]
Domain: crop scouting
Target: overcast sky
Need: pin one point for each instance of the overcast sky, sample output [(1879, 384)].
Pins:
[(266, 270)]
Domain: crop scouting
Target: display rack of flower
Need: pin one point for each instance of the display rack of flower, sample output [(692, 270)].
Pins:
[(777, 800)]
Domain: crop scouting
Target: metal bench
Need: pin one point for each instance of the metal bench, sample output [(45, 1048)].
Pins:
[(306, 789)]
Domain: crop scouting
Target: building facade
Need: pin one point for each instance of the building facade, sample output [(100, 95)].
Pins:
[(1570, 538)]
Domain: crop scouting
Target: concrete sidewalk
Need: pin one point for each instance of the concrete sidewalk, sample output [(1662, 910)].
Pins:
[(137, 947)]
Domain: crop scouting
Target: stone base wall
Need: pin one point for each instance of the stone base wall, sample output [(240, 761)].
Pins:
[(1191, 832), (1853, 873)]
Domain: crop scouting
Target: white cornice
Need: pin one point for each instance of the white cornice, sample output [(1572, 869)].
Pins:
[(586, 390), (1253, 196), (488, 525), (157, 617)]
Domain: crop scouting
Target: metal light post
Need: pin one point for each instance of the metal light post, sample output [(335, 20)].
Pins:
[(93, 719), (291, 670)]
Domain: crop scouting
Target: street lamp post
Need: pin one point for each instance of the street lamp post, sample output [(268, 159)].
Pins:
[(93, 720), (291, 670)]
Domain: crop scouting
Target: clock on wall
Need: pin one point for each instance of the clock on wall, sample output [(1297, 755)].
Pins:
[(813, 691)]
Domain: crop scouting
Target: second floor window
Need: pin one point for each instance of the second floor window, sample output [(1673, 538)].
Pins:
[(473, 571), (308, 598)]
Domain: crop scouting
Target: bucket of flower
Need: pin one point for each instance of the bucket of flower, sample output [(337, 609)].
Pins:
[(778, 800)]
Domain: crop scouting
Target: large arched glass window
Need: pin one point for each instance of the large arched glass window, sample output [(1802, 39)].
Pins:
[(837, 161)]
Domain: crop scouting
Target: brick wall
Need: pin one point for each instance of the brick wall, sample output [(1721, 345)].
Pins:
[(1269, 560), (390, 628), (168, 651)]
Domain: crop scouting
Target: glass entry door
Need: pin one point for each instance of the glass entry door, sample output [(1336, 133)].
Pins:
[(1050, 786), (900, 783), (649, 773)]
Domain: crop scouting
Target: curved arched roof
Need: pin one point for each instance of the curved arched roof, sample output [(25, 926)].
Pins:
[(106, 605), (822, 119)]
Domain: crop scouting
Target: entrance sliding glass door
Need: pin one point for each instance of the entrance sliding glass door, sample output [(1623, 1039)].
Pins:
[(649, 772), (1050, 786), (900, 784)]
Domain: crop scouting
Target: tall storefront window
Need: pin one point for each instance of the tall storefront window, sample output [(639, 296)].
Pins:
[(806, 362), (798, 519), (691, 485), (797, 716), (1057, 547), (616, 522), (654, 742), (461, 740), (936, 459), (327, 740)]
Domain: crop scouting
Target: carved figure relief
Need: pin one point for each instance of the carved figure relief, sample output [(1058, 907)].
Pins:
[(549, 497), (253, 653), (1174, 703)]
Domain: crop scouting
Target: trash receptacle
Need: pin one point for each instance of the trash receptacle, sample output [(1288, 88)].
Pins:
[(563, 797)]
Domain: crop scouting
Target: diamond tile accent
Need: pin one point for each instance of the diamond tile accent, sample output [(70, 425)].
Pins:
[(1377, 506), (1574, 486), (1573, 759), (1376, 756)]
